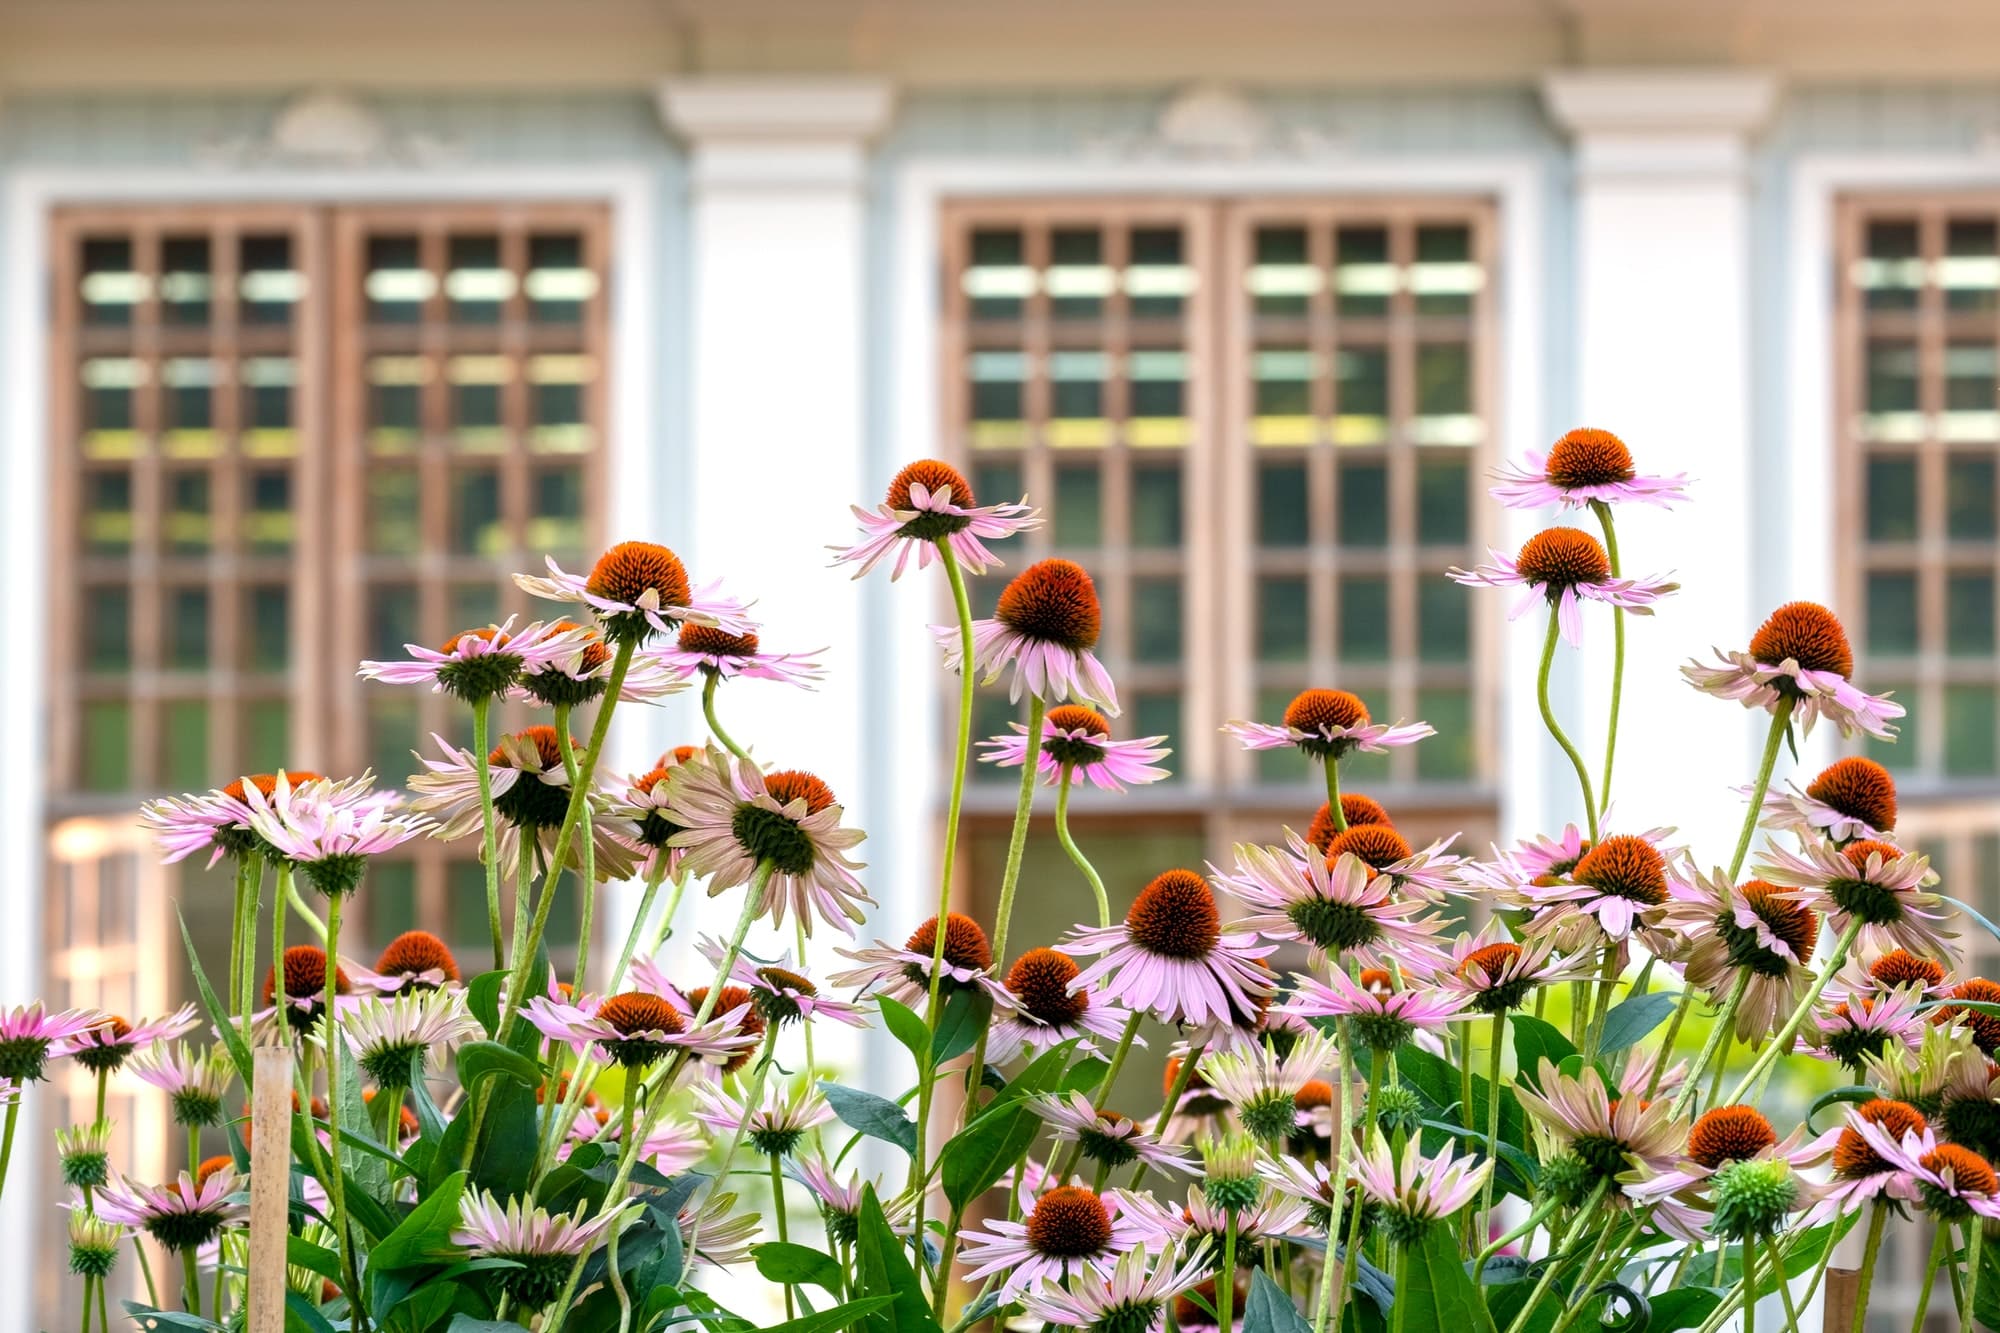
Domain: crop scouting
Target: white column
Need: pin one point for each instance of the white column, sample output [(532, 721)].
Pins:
[(777, 177), (1662, 282)]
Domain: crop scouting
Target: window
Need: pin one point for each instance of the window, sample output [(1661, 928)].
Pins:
[(1919, 476), (1262, 426), (293, 438)]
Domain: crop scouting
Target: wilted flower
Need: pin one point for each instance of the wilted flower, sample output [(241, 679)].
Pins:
[(182, 1216), (546, 1247)]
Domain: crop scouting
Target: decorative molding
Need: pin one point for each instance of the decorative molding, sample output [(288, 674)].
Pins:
[(776, 134), (1661, 127), (328, 129), (1216, 122)]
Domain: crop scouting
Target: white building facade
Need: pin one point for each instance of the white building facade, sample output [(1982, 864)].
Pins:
[(313, 325)]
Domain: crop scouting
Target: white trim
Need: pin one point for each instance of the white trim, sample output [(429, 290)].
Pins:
[(1810, 462), (26, 200), (918, 188)]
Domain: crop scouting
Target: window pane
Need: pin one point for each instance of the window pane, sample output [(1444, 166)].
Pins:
[(1281, 505), (1158, 713), (184, 748), (469, 605), (997, 379), (1076, 389), (1892, 376), (187, 401), (1361, 395), (1158, 387), (395, 523), (995, 481), (476, 285), (187, 629), (1364, 504), (268, 283), (1893, 271), (391, 900), (107, 512), (1892, 498), (267, 627), (1971, 730), (1444, 379), (397, 284), (1363, 277), (465, 885), (393, 732), (107, 628), (1283, 765), (1969, 615), (1892, 613), (558, 283), (1156, 507), (1901, 757), (110, 288), (1283, 622), (185, 527), (1969, 497), (267, 517), (267, 740), (476, 525), (556, 519), (392, 620), (1157, 280), (1079, 499), (106, 758), (1444, 621), (998, 278), (1283, 391), (185, 285), (1444, 277), (1364, 619), (1282, 278), (1449, 755), (1077, 279), (1970, 273), (1156, 620), (1444, 498)]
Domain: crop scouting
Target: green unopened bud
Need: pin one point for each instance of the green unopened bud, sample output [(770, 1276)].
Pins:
[(85, 1153), (1753, 1197), (1569, 1179), (93, 1244), (1231, 1166), (1398, 1107)]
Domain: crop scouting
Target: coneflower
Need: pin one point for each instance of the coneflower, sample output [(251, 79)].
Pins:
[(1078, 739), (1044, 626), (478, 665), (702, 650), (1563, 568), (1799, 654), (1586, 466), (904, 974), (111, 1043), (638, 589), (930, 506), (1171, 958), (1851, 798), (1041, 1009), (544, 1247), (1067, 1230), (1328, 724)]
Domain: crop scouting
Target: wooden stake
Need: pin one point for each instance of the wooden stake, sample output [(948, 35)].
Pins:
[(1843, 1287), (270, 1184)]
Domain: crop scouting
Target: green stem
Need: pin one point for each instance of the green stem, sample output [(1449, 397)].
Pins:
[(1017, 841), (1939, 1244), (1492, 1122), (1400, 1306), (1533, 1220), (246, 996), (305, 914), (784, 1238), (1721, 1064), (146, 1270), (1878, 1218), (488, 830), (708, 711), (1783, 1041), (1781, 721), (1105, 1086), (1600, 1003), (589, 886), (1784, 1287), (1725, 1022), (1081, 862), (1342, 1140), (236, 932), (7, 1140), (1555, 1258), (1334, 810), (1555, 728), (646, 897), (280, 888), (927, 1073), (1749, 1290), (1182, 1078), (1225, 1277), (627, 1127), (579, 797), (89, 1287), (337, 1184), (1666, 1054), (190, 1282), (1603, 512)]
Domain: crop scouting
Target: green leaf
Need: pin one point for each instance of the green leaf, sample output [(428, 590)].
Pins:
[(1637, 1314), (986, 1149), (424, 1237), (1855, 1093), (1534, 1042), (882, 1265), (1682, 1307), (302, 1316), (1518, 1171), (239, 1054), (302, 1253), (1986, 1305), (1974, 913), (481, 1060), (145, 1316), (877, 1117), (1269, 1310), (783, 1262), (482, 996), (1084, 1076), (906, 1027), (368, 1165), (465, 1323), (1437, 1082), (1437, 1295), (966, 1014), (1628, 1023), (840, 1316)]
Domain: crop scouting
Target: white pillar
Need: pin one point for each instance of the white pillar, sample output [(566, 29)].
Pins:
[(777, 207), (1663, 312)]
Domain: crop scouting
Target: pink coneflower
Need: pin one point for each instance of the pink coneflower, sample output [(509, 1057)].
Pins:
[(583, 674), (1564, 567), (1041, 1010), (643, 801), (1800, 653), (728, 656), (1079, 739), (1354, 809), (638, 589), (1328, 724), (1726, 1134), (1619, 883), (840, 1201), (1069, 1229), (328, 832), (1045, 625), (774, 1124), (388, 1036), (1381, 1020), (477, 664), (414, 960), (1132, 1298), (904, 975), (182, 1216), (1105, 1136), (1877, 883), (1864, 1025), (715, 1234), (1617, 1140), (111, 1043), (1264, 1086), (546, 1247), (1171, 958), (195, 1081), (1861, 1171), (1416, 1192), (734, 817), (780, 991), (304, 999), (637, 1029), (29, 1034), (1270, 1215), (1491, 973), (1540, 856), (1851, 798), (1309, 1184), (1432, 874), (216, 822), (1332, 906), (930, 503), (1753, 929), (531, 795), (1584, 467), (1953, 1182)]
